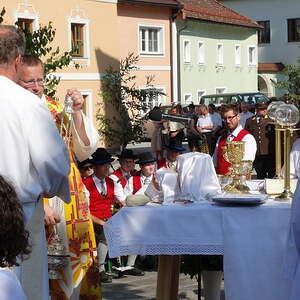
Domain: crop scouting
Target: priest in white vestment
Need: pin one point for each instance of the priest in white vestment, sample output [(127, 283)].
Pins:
[(33, 156)]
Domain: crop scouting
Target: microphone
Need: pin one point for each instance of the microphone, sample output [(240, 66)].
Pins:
[(157, 115)]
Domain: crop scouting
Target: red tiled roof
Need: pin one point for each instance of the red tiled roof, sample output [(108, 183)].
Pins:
[(169, 3), (270, 67), (214, 11)]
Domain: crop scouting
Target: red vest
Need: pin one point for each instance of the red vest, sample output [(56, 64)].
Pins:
[(222, 164), (100, 206), (137, 184), (162, 163)]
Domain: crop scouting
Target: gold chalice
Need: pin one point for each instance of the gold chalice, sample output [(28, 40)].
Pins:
[(239, 169)]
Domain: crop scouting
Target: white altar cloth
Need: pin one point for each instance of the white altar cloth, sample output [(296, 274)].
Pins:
[(252, 240)]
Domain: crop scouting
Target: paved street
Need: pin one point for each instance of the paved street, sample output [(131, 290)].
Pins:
[(143, 288)]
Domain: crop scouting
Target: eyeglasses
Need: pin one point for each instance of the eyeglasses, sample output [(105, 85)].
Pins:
[(229, 118), (31, 83)]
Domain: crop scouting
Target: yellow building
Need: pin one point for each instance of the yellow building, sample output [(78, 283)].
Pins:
[(75, 21), (106, 30)]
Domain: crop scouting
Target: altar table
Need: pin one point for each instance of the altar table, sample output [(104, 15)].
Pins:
[(251, 238)]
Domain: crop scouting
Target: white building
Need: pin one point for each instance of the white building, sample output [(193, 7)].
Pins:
[(279, 42)]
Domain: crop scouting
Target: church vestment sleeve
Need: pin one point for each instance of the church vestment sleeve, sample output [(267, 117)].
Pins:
[(49, 155), (250, 147), (82, 151)]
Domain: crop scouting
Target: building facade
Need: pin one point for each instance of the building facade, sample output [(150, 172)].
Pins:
[(279, 41), (217, 51), (145, 29)]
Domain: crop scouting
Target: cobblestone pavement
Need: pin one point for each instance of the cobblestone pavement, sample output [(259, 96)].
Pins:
[(144, 288)]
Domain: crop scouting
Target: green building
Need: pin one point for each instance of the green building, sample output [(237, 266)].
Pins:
[(216, 51)]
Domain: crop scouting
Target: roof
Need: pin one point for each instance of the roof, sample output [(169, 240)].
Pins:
[(214, 11), (166, 3), (270, 67)]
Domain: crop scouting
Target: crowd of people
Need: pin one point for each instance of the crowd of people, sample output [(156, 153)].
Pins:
[(210, 127)]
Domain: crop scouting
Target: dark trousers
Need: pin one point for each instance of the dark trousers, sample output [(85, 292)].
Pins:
[(264, 166)]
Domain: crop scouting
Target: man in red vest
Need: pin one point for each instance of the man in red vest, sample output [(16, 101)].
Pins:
[(173, 150), (123, 175), (235, 132), (103, 193)]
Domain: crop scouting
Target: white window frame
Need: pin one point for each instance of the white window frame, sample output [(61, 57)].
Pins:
[(203, 93), (220, 55), (188, 95), (187, 52), (237, 54), (86, 37), (162, 98), (89, 102), (29, 16), (221, 88), (254, 62), (201, 52), (161, 40)]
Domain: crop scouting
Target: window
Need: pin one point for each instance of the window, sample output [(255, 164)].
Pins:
[(77, 31), (201, 53), (187, 51), (153, 98), (151, 40), (25, 24), (188, 98), (252, 57), (220, 90), (294, 30), (220, 54), (200, 93), (237, 54), (264, 35)]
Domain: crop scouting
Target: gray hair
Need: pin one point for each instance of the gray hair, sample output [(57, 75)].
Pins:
[(12, 43)]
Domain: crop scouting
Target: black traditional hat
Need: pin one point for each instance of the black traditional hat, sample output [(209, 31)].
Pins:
[(101, 157), (127, 153), (145, 157), (175, 145)]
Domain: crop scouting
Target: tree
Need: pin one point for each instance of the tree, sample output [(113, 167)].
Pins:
[(292, 84), (126, 102), (39, 43)]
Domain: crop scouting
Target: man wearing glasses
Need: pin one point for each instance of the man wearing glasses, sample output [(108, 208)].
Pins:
[(74, 222), (235, 132)]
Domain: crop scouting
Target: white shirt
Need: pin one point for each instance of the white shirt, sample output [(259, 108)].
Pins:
[(217, 120), (206, 120), (33, 156), (244, 116), (250, 145), (10, 287), (102, 188)]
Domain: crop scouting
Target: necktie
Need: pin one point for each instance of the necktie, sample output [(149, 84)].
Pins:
[(102, 187)]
